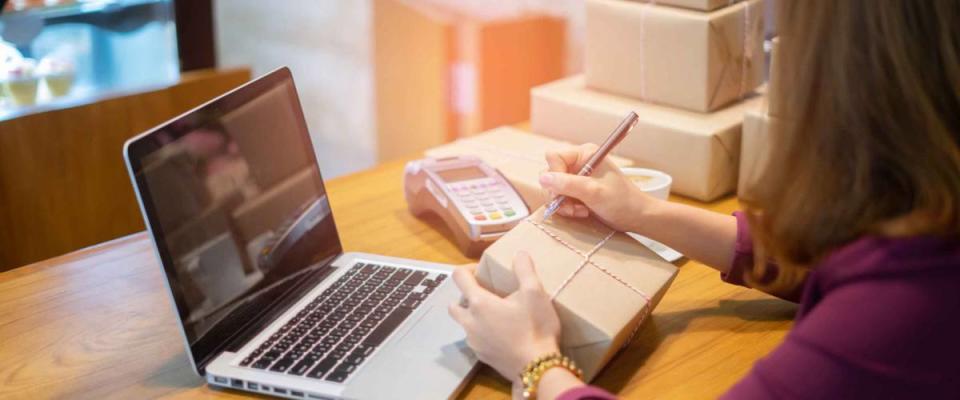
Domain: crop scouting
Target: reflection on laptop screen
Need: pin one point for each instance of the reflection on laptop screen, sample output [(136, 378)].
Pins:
[(236, 204)]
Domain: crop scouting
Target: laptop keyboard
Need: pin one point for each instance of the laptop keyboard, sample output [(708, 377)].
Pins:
[(333, 335)]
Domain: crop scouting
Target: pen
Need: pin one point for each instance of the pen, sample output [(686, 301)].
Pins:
[(614, 139)]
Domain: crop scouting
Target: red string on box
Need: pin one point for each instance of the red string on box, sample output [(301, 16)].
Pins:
[(587, 261)]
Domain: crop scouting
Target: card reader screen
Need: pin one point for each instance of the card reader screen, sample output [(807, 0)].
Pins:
[(461, 174)]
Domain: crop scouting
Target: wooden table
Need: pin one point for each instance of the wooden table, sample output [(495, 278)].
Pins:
[(97, 323)]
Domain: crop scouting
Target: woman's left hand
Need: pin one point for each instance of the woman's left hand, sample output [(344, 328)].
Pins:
[(507, 333)]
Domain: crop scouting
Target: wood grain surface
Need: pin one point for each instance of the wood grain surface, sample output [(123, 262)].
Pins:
[(97, 323)]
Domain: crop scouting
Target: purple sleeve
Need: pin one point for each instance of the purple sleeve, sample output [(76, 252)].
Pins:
[(586, 393), (882, 338), (743, 261)]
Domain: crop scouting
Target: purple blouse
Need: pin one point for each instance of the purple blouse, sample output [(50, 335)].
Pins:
[(878, 318)]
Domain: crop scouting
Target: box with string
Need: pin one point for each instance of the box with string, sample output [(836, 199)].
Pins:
[(701, 151), (695, 60), (603, 283)]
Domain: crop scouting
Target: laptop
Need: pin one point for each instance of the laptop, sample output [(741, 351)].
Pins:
[(268, 301)]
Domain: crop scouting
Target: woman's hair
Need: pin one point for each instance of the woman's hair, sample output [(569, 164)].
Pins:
[(866, 140)]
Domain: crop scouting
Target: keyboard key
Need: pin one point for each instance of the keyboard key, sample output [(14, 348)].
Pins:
[(363, 350), (361, 330), (302, 367), (354, 359), (261, 364), (322, 368), (331, 340), (338, 376), (273, 354), (419, 296), (321, 348), (387, 326), (337, 354), (341, 373), (282, 364), (415, 278), (410, 303)]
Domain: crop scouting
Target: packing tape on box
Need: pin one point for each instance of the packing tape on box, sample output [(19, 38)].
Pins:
[(587, 261)]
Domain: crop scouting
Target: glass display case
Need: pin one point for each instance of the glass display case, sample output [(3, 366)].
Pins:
[(56, 53)]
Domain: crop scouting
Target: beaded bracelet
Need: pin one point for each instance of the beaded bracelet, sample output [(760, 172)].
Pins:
[(531, 374)]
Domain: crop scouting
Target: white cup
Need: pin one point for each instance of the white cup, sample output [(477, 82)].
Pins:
[(650, 181)]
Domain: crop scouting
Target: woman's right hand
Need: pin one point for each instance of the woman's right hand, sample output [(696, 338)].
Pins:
[(607, 193)]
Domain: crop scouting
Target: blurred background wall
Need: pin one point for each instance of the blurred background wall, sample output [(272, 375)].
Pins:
[(329, 46)]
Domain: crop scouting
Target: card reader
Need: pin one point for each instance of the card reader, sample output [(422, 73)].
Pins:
[(474, 200)]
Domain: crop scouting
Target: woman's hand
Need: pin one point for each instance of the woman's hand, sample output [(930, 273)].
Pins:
[(607, 193), (507, 333)]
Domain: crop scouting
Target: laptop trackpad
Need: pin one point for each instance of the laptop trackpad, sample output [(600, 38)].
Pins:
[(430, 360), (435, 332)]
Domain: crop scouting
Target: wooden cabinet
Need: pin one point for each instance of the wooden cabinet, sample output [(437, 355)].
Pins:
[(63, 182)]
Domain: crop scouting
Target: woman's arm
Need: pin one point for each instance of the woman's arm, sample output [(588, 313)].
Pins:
[(558, 383), (702, 235), (885, 336)]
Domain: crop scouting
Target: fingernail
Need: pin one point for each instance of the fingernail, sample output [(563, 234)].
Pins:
[(547, 179)]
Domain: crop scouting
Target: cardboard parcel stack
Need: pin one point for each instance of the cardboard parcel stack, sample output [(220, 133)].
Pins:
[(518, 155), (604, 284), (690, 73)]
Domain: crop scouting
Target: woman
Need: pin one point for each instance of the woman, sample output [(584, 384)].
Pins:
[(859, 214)]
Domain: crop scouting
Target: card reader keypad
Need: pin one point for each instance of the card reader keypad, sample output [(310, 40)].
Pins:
[(485, 201)]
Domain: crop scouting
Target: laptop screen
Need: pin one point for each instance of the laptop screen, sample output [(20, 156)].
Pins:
[(237, 207)]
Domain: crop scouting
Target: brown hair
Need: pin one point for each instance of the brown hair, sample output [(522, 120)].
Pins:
[(868, 139)]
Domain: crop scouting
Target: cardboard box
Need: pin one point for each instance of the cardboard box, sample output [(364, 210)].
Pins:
[(754, 148), (688, 59), (517, 154), (700, 151), (700, 5), (442, 74), (604, 283)]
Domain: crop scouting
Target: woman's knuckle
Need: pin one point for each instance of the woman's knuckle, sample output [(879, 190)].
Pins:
[(478, 303), (592, 189)]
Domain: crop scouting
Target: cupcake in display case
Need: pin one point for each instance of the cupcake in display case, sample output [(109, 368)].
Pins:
[(58, 74), (8, 56), (20, 81)]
